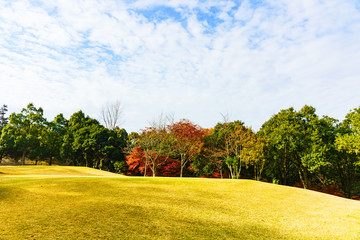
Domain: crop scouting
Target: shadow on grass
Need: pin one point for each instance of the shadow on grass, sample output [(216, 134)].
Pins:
[(125, 209), (104, 221), (50, 215)]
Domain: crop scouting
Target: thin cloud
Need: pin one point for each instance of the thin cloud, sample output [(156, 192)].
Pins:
[(194, 59)]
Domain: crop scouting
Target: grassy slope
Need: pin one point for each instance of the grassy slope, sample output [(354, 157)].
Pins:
[(52, 171), (58, 207)]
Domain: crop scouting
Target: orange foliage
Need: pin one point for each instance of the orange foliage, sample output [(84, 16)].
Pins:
[(188, 141), (135, 162), (188, 137), (136, 165), (171, 168)]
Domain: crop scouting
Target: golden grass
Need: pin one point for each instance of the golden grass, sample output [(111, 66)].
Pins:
[(52, 171), (103, 207)]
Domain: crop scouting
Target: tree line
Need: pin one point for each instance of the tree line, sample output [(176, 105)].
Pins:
[(78, 141), (291, 148)]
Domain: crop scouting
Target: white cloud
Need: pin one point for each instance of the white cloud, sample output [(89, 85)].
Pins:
[(71, 55)]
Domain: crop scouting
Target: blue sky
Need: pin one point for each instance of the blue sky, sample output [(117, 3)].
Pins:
[(192, 59)]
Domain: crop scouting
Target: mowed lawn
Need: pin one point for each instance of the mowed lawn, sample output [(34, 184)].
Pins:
[(83, 203)]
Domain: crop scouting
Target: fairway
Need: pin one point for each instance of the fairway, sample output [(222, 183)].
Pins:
[(55, 171), (65, 203)]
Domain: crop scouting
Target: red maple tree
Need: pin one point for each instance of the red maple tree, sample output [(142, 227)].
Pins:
[(187, 141), (136, 165)]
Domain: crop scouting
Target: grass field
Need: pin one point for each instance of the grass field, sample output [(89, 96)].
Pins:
[(82, 203)]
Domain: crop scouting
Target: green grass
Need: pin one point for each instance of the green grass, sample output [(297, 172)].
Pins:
[(36, 204)]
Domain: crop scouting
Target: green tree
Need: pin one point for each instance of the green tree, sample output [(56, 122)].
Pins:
[(3, 123), (211, 158), (117, 146), (23, 133), (230, 140), (83, 132), (290, 144), (90, 144), (349, 141), (348, 144), (321, 156), (54, 139), (253, 153)]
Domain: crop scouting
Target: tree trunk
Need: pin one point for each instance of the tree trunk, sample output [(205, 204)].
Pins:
[(303, 182), (97, 163), (302, 172), (239, 170), (153, 169), (181, 170), (285, 169), (231, 172), (2, 155), (146, 163), (259, 170), (346, 179), (182, 164), (306, 178), (100, 164), (23, 157), (255, 172)]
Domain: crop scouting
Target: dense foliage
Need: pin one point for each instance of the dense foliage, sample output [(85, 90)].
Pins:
[(79, 141), (291, 148)]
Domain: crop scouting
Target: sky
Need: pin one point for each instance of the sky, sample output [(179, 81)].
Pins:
[(191, 59)]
